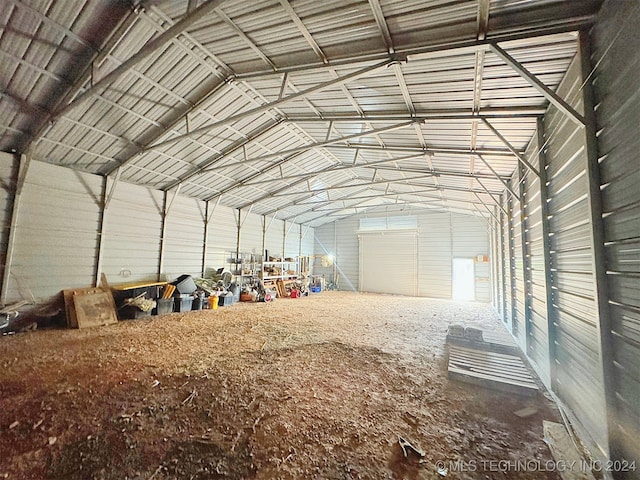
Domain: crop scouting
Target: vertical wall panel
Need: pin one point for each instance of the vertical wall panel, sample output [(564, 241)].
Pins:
[(184, 240), (131, 241), (471, 239), (251, 234), (307, 241), (434, 252), (537, 328), (509, 266), (222, 236), (57, 232), (518, 325), (324, 245), (616, 49), (347, 254), (274, 237), (292, 241), (579, 380), (8, 177)]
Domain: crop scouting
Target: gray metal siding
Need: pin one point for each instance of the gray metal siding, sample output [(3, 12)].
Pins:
[(8, 177), (274, 236), (131, 241), (292, 240), (442, 236), (519, 318), (470, 239), (347, 254), (579, 381), (57, 232), (434, 253), (251, 233), (616, 48), (507, 253), (323, 245), (184, 238), (537, 336), (222, 236)]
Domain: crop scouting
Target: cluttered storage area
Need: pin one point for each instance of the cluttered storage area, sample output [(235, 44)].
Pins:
[(79, 238)]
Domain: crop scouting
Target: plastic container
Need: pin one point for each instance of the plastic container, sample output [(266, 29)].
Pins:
[(225, 300), (213, 302), (165, 305), (196, 304), (185, 284), (183, 303), (315, 289)]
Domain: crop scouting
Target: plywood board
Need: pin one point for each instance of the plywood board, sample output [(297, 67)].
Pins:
[(94, 309), (69, 305)]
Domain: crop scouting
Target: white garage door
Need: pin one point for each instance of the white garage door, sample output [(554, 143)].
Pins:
[(389, 262)]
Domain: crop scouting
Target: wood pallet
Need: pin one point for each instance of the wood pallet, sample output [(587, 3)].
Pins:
[(492, 342), (491, 369)]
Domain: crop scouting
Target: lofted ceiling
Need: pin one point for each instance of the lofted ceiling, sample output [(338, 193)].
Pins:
[(306, 110)]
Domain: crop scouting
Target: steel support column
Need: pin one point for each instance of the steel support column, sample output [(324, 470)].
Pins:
[(23, 167), (599, 262), (526, 267), (546, 249)]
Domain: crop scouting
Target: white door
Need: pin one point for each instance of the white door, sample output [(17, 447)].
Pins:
[(389, 262), (464, 285)]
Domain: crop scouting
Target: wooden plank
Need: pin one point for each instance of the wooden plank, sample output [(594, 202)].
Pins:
[(490, 369), (133, 285), (94, 309)]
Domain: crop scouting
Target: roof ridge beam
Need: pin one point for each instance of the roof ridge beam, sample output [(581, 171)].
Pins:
[(440, 49)]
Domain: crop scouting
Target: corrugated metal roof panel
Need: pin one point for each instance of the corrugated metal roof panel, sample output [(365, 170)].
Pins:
[(46, 40)]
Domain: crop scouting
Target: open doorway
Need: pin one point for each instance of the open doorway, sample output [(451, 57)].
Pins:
[(464, 286)]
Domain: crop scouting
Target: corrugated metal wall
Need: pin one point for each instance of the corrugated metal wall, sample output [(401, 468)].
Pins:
[(251, 233), (222, 237), (346, 255), (60, 224), (56, 233), (471, 239), (537, 338), (132, 229), (551, 268), (274, 236), (579, 380), (442, 236), (8, 177), (519, 299), (184, 237), (616, 51), (435, 247)]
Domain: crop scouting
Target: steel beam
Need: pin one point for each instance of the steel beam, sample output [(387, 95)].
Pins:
[(23, 163), (237, 145), (148, 49), (429, 151), (502, 180), (276, 103), (382, 24), (451, 114), (526, 265), (303, 30), (436, 50), (521, 158), (323, 144), (549, 94)]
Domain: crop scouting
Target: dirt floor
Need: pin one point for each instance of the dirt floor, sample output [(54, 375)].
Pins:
[(319, 387)]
